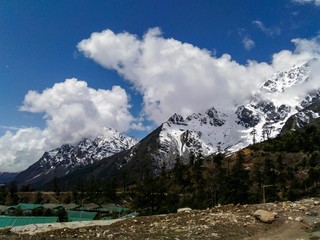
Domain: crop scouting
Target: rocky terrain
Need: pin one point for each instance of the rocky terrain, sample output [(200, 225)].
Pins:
[(283, 220)]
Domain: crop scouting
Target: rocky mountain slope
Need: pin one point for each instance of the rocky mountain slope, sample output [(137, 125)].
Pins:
[(69, 158)]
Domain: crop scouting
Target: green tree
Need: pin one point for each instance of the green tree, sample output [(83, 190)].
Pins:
[(56, 188), (197, 181), (39, 198), (13, 193), (238, 182)]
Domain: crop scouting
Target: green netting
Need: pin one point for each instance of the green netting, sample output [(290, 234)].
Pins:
[(27, 206), (11, 221), (80, 216)]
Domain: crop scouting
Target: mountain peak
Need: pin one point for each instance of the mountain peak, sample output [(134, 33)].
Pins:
[(283, 80), (176, 119)]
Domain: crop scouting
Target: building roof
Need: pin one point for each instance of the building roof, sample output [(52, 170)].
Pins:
[(11, 221), (52, 206), (80, 215), (88, 207), (27, 206), (70, 206), (4, 208), (91, 206)]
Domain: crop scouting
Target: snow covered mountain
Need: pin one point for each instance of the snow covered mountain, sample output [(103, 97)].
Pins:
[(282, 97), (68, 158), (261, 117)]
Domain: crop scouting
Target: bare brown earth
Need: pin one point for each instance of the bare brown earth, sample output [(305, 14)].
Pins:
[(294, 221)]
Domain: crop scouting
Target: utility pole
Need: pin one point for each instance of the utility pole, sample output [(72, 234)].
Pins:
[(263, 192)]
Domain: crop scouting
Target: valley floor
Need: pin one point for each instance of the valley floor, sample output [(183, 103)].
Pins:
[(295, 221)]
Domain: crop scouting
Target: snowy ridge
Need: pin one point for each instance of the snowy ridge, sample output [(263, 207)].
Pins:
[(87, 151), (281, 81), (260, 118), (68, 158)]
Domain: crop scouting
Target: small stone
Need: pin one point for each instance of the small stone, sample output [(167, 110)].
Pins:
[(290, 218), (184, 210), (303, 208), (316, 203), (312, 213), (298, 219)]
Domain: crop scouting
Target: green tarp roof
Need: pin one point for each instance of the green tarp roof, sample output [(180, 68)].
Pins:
[(80, 216), (27, 206), (11, 221), (52, 206)]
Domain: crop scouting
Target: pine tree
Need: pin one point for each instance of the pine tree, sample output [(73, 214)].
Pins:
[(238, 182), (198, 195)]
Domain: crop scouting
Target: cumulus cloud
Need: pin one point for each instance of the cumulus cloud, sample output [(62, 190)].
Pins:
[(72, 111), (316, 2), (271, 32), (305, 49), (173, 76)]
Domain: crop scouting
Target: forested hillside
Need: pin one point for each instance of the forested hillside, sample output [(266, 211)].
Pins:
[(284, 168)]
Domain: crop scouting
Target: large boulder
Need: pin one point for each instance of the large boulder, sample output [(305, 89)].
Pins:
[(264, 216)]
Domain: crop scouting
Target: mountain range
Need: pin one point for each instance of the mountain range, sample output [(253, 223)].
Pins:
[(69, 158), (262, 116)]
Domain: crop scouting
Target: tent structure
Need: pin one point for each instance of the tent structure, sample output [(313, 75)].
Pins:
[(12, 221), (80, 216)]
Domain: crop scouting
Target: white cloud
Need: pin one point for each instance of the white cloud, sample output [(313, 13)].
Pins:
[(173, 76), (72, 111), (21, 148), (178, 77), (271, 32), (305, 49), (248, 43), (316, 2)]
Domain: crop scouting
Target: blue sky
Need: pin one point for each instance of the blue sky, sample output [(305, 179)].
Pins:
[(142, 63)]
